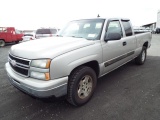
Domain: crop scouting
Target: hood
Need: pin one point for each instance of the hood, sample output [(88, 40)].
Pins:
[(48, 47)]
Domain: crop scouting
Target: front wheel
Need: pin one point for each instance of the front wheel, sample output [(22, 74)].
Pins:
[(2, 43), (81, 85), (140, 60)]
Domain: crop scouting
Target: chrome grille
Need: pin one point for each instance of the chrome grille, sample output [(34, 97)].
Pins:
[(19, 65)]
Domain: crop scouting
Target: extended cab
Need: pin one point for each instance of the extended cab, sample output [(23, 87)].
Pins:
[(9, 34), (71, 63)]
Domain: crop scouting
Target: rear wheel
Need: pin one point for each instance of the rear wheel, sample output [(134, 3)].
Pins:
[(142, 57), (81, 86), (2, 43)]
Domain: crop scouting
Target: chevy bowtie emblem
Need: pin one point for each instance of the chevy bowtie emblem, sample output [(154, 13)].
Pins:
[(13, 62)]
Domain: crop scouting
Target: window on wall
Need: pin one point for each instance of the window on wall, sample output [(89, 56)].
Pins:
[(127, 28)]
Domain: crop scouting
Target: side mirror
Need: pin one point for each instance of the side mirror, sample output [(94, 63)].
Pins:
[(112, 36)]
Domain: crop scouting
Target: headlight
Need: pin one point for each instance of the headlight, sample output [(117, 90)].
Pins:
[(44, 63), (39, 75)]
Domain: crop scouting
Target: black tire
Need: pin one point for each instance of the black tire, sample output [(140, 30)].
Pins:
[(76, 91), (140, 60), (2, 43)]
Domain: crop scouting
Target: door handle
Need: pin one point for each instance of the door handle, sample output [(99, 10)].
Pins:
[(124, 43)]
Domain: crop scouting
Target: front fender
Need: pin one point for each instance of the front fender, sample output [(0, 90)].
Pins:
[(81, 61), (63, 65)]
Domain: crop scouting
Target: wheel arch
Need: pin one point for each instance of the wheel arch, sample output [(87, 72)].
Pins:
[(145, 44), (92, 64)]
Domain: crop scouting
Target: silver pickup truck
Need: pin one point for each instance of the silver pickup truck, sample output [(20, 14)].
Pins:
[(71, 63)]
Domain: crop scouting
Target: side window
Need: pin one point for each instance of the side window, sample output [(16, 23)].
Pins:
[(114, 27), (127, 28)]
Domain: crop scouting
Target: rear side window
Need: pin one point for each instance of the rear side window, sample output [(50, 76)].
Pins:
[(127, 28), (43, 31)]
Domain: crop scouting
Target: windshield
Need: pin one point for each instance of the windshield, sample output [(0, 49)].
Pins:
[(88, 29)]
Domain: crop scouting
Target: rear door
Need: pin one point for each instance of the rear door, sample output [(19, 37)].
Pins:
[(129, 39)]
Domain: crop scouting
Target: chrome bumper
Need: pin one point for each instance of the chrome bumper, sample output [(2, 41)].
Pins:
[(37, 88)]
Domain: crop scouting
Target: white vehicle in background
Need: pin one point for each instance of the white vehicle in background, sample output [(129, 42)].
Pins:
[(28, 37), (46, 32)]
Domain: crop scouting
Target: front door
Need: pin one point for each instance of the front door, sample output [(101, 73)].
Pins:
[(113, 50)]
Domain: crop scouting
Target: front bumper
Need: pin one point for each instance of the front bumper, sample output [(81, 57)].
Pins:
[(37, 88)]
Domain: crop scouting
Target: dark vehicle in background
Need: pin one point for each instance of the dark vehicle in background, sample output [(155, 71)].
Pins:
[(157, 30), (9, 34), (45, 32)]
